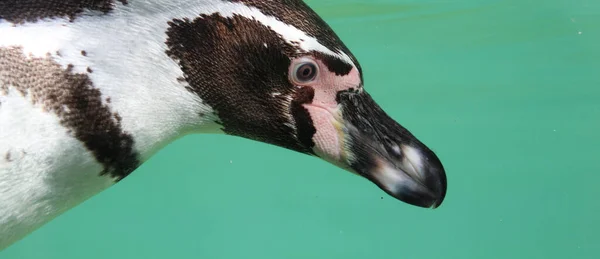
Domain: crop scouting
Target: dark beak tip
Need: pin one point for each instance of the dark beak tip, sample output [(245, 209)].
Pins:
[(443, 188), (438, 202), (434, 202), (440, 194), (431, 196), (436, 182)]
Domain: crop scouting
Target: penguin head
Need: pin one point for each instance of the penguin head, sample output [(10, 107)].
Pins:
[(275, 72)]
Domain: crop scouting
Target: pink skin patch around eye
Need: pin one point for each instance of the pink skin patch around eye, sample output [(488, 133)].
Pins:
[(324, 108)]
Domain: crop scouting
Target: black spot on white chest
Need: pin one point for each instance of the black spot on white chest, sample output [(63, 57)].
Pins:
[(73, 98)]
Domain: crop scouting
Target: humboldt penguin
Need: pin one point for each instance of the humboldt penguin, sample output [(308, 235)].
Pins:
[(90, 89)]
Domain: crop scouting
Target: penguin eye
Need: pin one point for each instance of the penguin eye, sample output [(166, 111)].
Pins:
[(305, 72)]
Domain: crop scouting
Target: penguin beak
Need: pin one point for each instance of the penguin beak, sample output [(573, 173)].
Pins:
[(381, 150)]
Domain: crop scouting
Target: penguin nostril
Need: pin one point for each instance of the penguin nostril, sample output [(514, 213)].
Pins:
[(392, 148), (397, 151)]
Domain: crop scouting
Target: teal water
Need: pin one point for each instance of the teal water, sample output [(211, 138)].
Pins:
[(506, 92)]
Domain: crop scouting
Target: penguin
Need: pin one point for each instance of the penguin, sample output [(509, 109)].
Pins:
[(90, 89)]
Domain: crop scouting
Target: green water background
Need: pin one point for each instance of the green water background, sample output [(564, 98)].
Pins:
[(506, 92)]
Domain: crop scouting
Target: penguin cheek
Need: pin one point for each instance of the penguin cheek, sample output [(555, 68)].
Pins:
[(328, 136)]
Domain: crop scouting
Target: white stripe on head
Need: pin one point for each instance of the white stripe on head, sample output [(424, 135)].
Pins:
[(288, 32), (178, 9)]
